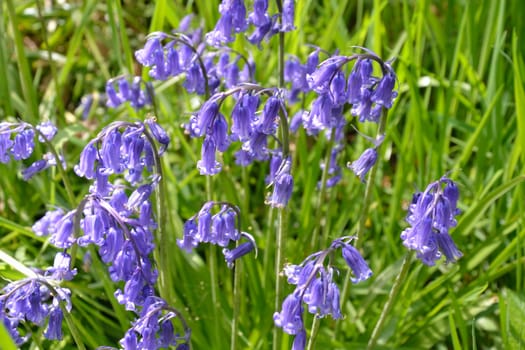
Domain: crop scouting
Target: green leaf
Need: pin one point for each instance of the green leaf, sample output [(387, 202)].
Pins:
[(512, 318)]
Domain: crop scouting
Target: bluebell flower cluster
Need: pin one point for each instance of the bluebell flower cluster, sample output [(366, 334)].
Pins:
[(129, 152), (38, 300), (221, 228), (205, 70), (154, 328), (133, 92), (250, 126), (368, 96), (314, 286), (17, 142), (431, 215), (119, 220), (236, 19)]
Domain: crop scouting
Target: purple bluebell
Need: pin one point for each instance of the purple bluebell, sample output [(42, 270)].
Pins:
[(5, 145), (153, 329), (431, 215), (287, 16), (384, 93), (195, 81), (243, 115), (290, 319), (357, 264), (47, 131), (61, 269), (36, 167), (54, 327), (259, 16), (48, 223), (282, 186), (189, 239), (63, 236), (36, 300), (241, 250), (267, 123), (23, 145), (315, 287), (205, 116), (147, 55), (86, 166), (219, 133), (208, 164), (299, 341), (257, 36), (364, 163)]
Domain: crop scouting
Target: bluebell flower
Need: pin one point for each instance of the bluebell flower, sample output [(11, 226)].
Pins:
[(208, 164), (54, 327), (287, 16), (47, 224), (231, 255), (61, 269), (243, 115), (267, 124), (259, 16), (431, 215), (299, 341), (315, 287), (282, 185), (47, 131), (48, 160), (364, 163), (261, 32), (23, 145), (290, 319), (384, 94), (36, 300), (357, 264), (153, 329)]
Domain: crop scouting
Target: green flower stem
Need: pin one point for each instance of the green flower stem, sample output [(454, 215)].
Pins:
[(161, 254), (390, 301), (279, 248), (364, 213), (26, 80), (72, 328), (58, 93), (321, 196), (316, 322), (212, 258), (237, 295)]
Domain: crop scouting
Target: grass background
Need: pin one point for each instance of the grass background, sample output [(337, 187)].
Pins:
[(461, 109)]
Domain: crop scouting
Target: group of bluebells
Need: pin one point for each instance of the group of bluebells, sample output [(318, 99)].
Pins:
[(122, 164), (315, 287), (116, 216), (221, 228), (17, 142)]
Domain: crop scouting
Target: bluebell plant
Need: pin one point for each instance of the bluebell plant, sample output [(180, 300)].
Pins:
[(431, 214), (315, 287)]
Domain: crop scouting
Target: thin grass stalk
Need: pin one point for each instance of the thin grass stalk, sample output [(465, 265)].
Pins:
[(236, 302), (364, 215), (281, 212), (321, 195), (23, 66), (4, 68), (316, 323), (212, 258), (165, 285), (72, 328), (58, 95), (396, 287)]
